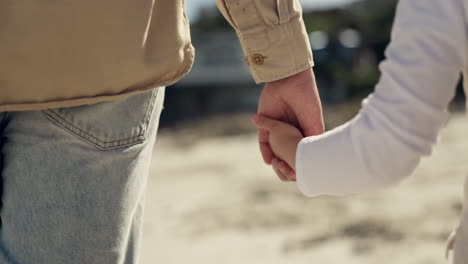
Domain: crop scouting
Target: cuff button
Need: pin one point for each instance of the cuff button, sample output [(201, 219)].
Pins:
[(258, 59)]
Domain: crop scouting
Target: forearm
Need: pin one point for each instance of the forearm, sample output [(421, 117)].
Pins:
[(400, 122), (369, 153)]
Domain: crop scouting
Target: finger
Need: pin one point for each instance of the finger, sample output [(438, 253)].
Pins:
[(311, 122), (275, 164), (286, 170), (266, 123), (265, 148), (292, 176), (280, 175)]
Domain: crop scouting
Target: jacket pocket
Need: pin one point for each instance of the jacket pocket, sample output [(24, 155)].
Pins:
[(109, 125)]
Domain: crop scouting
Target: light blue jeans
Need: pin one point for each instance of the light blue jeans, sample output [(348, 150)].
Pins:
[(74, 181)]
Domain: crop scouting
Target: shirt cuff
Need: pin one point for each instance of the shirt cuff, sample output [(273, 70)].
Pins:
[(277, 52), (328, 165)]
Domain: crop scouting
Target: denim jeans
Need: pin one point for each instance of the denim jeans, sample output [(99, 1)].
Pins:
[(74, 181)]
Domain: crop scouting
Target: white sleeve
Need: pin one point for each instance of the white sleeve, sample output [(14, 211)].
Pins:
[(399, 123)]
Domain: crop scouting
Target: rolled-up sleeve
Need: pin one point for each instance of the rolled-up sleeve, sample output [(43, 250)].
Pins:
[(272, 35)]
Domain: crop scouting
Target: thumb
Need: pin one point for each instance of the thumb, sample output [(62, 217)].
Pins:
[(266, 123), (312, 122)]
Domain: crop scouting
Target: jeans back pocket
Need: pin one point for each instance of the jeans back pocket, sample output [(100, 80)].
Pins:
[(109, 125)]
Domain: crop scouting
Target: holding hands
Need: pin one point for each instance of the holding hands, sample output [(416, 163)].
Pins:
[(283, 139), (288, 110)]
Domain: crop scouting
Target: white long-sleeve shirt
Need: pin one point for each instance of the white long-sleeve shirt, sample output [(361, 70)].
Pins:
[(400, 121)]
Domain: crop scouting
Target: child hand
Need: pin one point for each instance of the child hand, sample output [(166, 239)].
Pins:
[(283, 137)]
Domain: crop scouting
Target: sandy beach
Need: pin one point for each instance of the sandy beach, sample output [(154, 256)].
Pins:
[(211, 200)]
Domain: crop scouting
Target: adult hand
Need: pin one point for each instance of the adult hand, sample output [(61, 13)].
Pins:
[(294, 100)]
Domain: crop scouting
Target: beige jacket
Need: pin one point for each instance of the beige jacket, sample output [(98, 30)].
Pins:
[(68, 53)]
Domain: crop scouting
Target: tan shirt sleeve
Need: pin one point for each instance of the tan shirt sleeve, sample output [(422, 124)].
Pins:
[(272, 35)]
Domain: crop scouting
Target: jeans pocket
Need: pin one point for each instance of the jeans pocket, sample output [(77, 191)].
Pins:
[(109, 125)]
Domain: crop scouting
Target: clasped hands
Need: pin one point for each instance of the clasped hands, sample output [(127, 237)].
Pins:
[(288, 110)]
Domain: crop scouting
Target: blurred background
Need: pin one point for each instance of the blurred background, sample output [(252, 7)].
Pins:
[(212, 200)]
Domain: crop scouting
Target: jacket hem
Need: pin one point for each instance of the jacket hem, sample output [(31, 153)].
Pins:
[(158, 83)]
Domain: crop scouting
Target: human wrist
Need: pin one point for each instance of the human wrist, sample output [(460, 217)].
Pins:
[(294, 152), (297, 78)]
